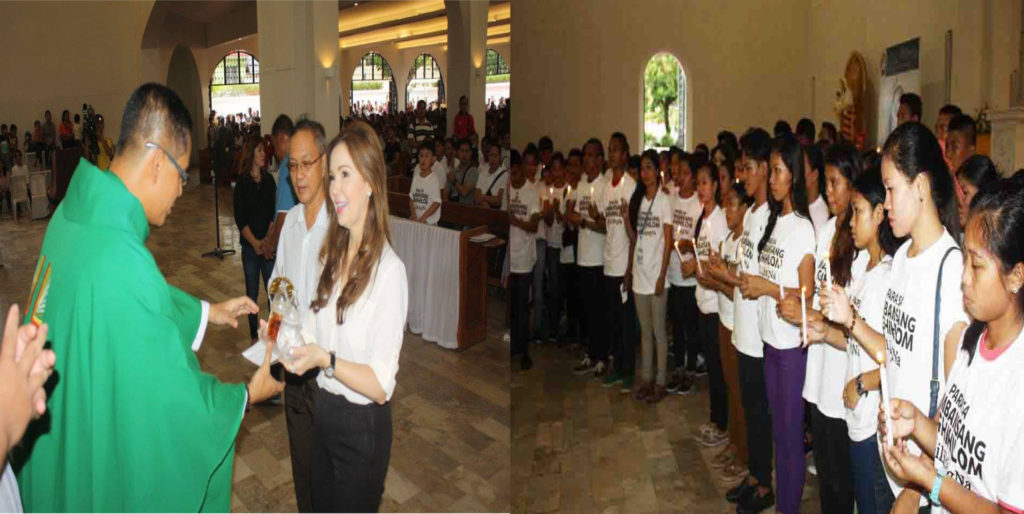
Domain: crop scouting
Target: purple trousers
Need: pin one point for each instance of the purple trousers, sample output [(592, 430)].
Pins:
[(784, 382)]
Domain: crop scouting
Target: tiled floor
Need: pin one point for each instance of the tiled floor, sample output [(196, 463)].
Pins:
[(579, 447), (451, 410)]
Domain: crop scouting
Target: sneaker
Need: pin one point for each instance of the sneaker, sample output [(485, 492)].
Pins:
[(740, 491), (525, 362), (657, 394), (641, 393), (811, 468), (713, 438), (702, 367), (674, 381), (755, 503), (506, 337), (600, 369), (627, 385), (584, 367), (684, 385), (611, 378)]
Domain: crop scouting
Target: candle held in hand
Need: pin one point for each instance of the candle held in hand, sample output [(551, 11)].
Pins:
[(803, 312), (695, 256), (880, 357)]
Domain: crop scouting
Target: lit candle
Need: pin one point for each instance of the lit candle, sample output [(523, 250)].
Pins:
[(551, 192), (828, 273), (803, 309), (591, 191), (695, 256), (663, 177), (880, 357), (782, 292), (676, 239)]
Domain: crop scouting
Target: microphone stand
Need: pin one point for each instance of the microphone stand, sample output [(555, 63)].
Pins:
[(217, 251)]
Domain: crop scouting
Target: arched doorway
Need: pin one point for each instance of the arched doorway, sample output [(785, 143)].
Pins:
[(183, 78), (373, 87), (235, 86), (425, 83), (498, 79), (664, 102)]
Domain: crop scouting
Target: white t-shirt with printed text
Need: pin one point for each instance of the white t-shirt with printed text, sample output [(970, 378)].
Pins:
[(590, 243), (523, 204), (425, 191), (713, 230), (685, 212), (791, 240), (818, 210), (730, 254), (746, 326), (616, 240), (867, 293), (649, 252)]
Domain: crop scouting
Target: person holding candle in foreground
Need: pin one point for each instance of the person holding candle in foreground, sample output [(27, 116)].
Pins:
[(975, 434), (786, 256), (923, 315), (359, 313), (856, 326)]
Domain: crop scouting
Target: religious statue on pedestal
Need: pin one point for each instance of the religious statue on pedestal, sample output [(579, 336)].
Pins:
[(849, 106)]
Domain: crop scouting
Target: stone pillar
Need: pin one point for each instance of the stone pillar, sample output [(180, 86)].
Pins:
[(299, 50), (1008, 139), (467, 61)]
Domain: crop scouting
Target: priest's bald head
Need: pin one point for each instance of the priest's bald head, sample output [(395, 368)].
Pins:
[(153, 149)]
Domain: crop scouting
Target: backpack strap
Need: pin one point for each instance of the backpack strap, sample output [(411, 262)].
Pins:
[(934, 384), (495, 181)]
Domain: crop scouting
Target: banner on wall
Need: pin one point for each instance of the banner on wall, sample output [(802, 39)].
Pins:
[(900, 74)]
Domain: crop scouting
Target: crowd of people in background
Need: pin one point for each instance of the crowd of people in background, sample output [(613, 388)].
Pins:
[(796, 272)]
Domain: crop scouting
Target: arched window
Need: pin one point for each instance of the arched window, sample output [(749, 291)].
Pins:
[(373, 86), (425, 83), (498, 79), (664, 102), (235, 85)]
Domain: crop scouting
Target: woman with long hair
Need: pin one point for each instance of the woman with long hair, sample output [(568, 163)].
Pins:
[(255, 195), (359, 314)]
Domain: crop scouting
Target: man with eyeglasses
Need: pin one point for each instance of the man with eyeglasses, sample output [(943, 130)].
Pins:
[(135, 424)]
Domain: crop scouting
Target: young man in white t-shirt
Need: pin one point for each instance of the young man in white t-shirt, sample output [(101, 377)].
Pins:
[(590, 252), (554, 226), (609, 214), (425, 191), (534, 176), (682, 302), (524, 216)]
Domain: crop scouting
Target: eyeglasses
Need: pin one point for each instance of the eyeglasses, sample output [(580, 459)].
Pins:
[(294, 166), (183, 173)]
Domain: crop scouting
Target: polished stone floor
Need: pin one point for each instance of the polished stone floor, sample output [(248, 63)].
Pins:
[(451, 444), (579, 447)]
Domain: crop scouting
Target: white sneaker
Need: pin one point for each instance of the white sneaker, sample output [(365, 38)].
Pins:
[(507, 337), (584, 367)]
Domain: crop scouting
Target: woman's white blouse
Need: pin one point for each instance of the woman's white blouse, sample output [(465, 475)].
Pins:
[(373, 329)]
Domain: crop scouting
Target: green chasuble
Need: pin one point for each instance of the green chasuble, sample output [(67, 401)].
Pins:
[(133, 423)]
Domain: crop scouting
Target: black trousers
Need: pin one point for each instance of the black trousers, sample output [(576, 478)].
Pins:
[(254, 265), (682, 304), (519, 290), (831, 442), (555, 291), (707, 334), (299, 401), (573, 306), (594, 305), (622, 326), (758, 417), (351, 451)]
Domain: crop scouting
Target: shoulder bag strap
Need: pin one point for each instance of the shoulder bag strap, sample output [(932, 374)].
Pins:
[(934, 385)]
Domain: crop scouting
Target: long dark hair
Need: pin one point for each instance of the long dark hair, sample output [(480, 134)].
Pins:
[(713, 176), (978, 170), (914, 150), (843, 156), (793, 159), (816, 157), (999, 211), (641, 188), (869, 185)]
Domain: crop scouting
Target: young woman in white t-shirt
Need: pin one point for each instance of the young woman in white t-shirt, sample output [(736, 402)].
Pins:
[(650, 260), (710, 232), (786, 259), (874, 241), (835, 257), (814, 180), (723, 267), (686, 208), (921, 206), (977, 434)]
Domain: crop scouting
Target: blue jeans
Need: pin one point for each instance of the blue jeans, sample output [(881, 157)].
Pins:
[(253, 265), (864, 459)]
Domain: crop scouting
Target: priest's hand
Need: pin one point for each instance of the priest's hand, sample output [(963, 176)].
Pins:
[(307, 357), (226, 313), (24, 368), (262, 386)]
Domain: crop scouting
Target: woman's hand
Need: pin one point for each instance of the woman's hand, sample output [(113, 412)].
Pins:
[(262, 386), (592, 210), (850, 396), (817, 330), (659, 287), (835, 305), (753, 286), (902, 418), (688, 267), (915, 469), (307, 357), (791, 310)]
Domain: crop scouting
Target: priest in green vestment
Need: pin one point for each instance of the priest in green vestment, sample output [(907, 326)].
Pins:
[(134, 424)]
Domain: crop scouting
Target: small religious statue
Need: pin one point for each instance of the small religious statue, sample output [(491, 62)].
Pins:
[(850, 101)]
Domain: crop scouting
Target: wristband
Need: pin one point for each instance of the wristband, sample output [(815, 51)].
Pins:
[(936, 485)]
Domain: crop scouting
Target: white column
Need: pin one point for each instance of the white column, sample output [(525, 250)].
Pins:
[(467, 60), (1008, 139)]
